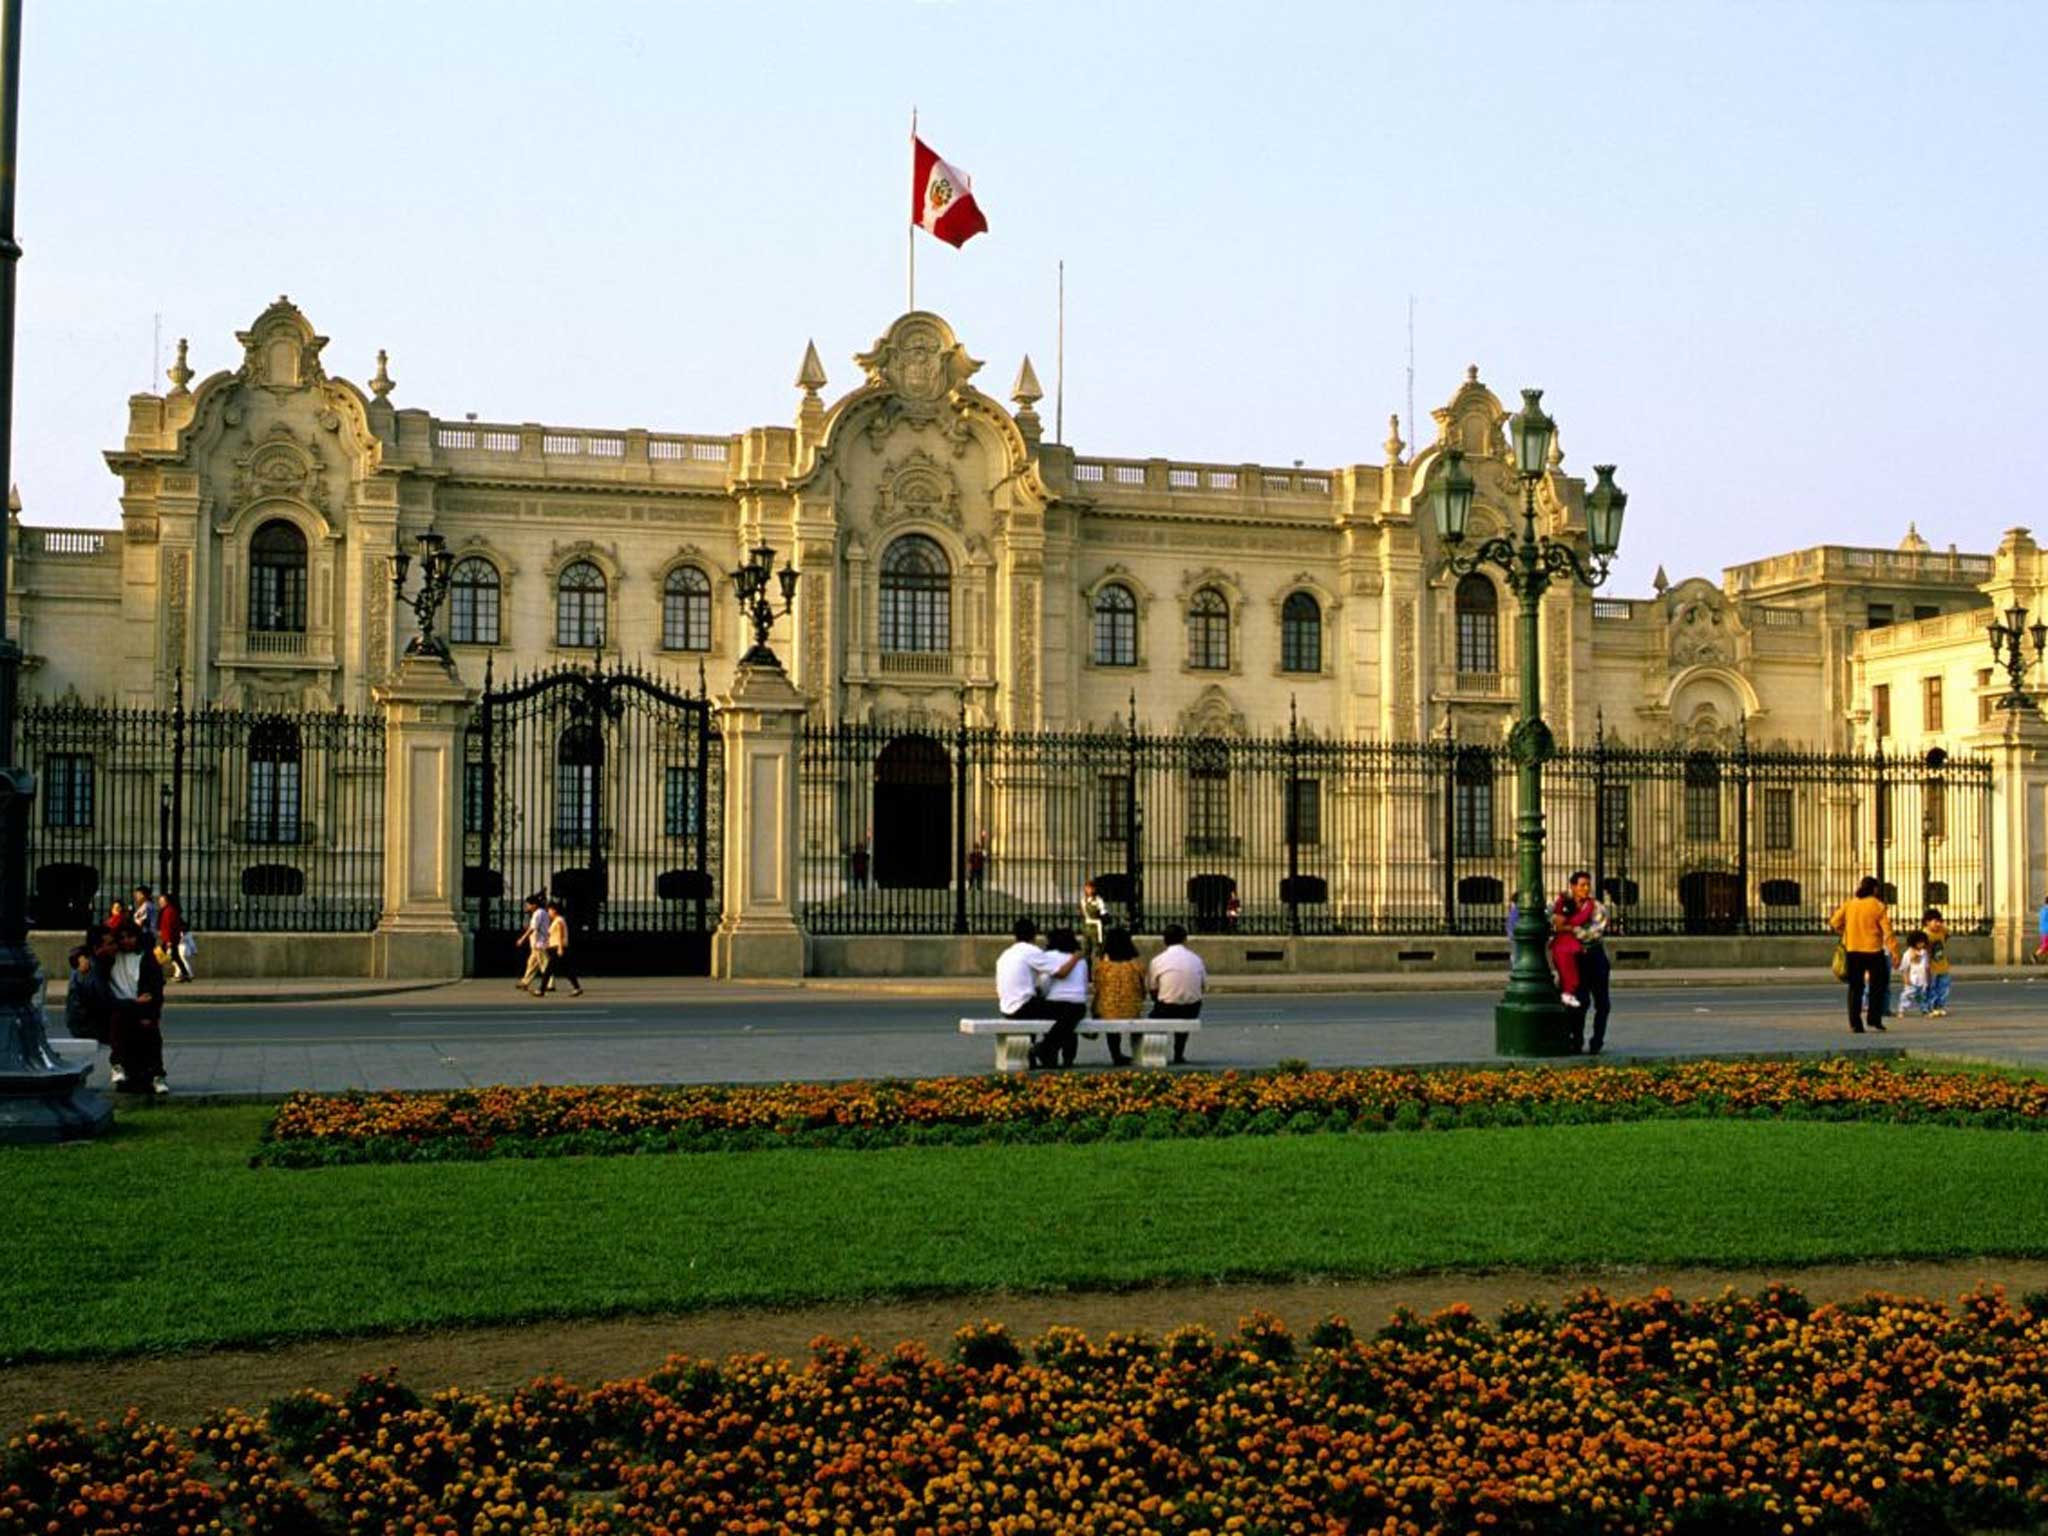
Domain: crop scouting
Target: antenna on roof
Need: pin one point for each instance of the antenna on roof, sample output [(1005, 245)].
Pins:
[(1411, 365), (1059, 372)]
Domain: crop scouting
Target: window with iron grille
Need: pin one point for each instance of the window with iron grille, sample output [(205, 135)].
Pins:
[(579, 606), (680, 801), (577, 756), (1882, 808), (277, 578), (1779, 825), (473, 593), (1209, 631), (472, 797), (1301, 633), (1472, 817), (1112, 808), (1614, 816), (686, 610), (1209, 798), (67, 789), (1116, 627), (1934, 809), (272, 801), (917, 596), (1476, 604), (1702, 798), (1305, 812), (1930, 704)]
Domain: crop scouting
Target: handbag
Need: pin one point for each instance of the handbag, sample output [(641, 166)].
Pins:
[(1840, 963)]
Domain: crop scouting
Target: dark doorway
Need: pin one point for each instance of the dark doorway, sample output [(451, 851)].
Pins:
[(1712, 900), (913, 814)]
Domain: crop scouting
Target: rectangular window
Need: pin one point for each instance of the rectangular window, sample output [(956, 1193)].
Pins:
[(1703, 810), (1209, 811), (1112, 808), (575, 804), (1778, 823), (1926, 611), (1934, 809), (1614, 816), (1882, 804), (472, 797), (1881, 709), (1472, 817), (273, 800), (1930, 704), (1305, 812), (680, 802), (1878, 615), (1987, 701), (67, 789)]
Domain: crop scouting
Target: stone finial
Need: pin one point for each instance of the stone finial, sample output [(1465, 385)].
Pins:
[(1026, 394), (1660, 583), (1912, 543), (1556, 452), (810, 376), (178, 373), (1393, 445), (14, 501), (1471, 373), (381, 382)]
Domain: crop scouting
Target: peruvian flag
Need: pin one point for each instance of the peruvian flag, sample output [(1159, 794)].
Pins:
[(941, 197)]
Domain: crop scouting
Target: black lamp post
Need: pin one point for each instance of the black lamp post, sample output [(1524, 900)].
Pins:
[(2007, 652), (1530, 1020), (436, 566), (752, 582), (41, 1097)]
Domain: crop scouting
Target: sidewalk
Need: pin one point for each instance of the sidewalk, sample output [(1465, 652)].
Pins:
[(314, 989)]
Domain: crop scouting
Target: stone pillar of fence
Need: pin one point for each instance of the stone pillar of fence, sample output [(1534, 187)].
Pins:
[(426, 709), (761, 724), (2016, 742)]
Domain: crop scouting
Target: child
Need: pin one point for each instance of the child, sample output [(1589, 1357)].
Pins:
[(1913, 971), (1937, 963)]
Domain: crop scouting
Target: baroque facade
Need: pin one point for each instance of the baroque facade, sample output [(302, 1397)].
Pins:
[(952, 557)]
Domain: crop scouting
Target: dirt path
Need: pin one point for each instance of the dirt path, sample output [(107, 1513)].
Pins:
[(182, 1388)]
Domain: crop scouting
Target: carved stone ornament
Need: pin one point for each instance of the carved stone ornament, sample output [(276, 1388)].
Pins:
[(1531, 742), (278, 465), (917, 487), (280, 351), (1212, 714), (923, 367), (1699, 635)]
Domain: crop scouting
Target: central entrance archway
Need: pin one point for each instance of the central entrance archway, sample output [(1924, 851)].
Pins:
[(913, 814)]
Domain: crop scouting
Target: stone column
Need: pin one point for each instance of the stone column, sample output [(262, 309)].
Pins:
[(761, 723), (426, 709), (2017, 856)]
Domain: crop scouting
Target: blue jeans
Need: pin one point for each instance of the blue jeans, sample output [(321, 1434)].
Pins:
[(1937, 990)]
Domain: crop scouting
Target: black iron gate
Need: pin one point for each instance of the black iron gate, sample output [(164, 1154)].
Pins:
[(603, 789)]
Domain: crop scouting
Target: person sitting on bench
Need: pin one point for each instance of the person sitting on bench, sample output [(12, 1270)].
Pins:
[(1021, 972)]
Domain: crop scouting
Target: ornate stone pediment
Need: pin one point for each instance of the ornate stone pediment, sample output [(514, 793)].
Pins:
[(1473, 420), (1212, 714), (278, 464), (923, 368), (917, 487), (281, 351), (1701, 627)]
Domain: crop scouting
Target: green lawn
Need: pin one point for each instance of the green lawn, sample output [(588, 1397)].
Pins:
[(162, 1236)]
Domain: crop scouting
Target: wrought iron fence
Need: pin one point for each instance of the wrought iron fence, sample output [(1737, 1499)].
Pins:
[(958, 829), (256, 822)]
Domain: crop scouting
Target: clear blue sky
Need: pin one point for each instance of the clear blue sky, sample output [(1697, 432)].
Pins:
[(1782, 262)]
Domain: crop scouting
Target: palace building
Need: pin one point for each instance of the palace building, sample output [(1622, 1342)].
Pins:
[(959, 571)]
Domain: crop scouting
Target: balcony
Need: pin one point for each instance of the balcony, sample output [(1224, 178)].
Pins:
[(275, 642), (917, 663)]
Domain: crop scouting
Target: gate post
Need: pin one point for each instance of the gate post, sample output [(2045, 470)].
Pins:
[(426, 711), (2016, 858), (761, 725)]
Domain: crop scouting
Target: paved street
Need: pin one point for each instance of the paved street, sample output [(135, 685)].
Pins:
[(481, 1032)]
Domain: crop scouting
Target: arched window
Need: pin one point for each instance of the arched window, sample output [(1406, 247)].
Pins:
[(272, 806), (277, 578), (579, 753), (579, 605), (473, 590), (1301, 633), (1116, 627), (1209, 631), (917, 596), (686, 610), (1477, 606)]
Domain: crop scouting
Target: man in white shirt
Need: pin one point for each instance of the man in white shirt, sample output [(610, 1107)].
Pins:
[(1176, 978), (1021, 971)]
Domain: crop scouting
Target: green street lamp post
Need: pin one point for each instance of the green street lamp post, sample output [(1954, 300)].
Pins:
[(1530, 1020)]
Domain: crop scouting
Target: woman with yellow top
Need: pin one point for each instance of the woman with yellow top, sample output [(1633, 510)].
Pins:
[(1119, 987), (1866, 929)]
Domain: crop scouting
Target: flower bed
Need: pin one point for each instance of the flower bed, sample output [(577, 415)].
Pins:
[(1741, 1414), (311, 1130)]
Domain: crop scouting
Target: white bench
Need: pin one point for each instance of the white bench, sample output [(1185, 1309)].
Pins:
[(1014, 1037)]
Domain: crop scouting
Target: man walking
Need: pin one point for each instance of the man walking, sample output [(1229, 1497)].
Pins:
[(1176, 978), (137, 984), (533, 938)]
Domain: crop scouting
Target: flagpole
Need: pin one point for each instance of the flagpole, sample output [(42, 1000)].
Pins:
[(1059, 378), (911, 228)]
